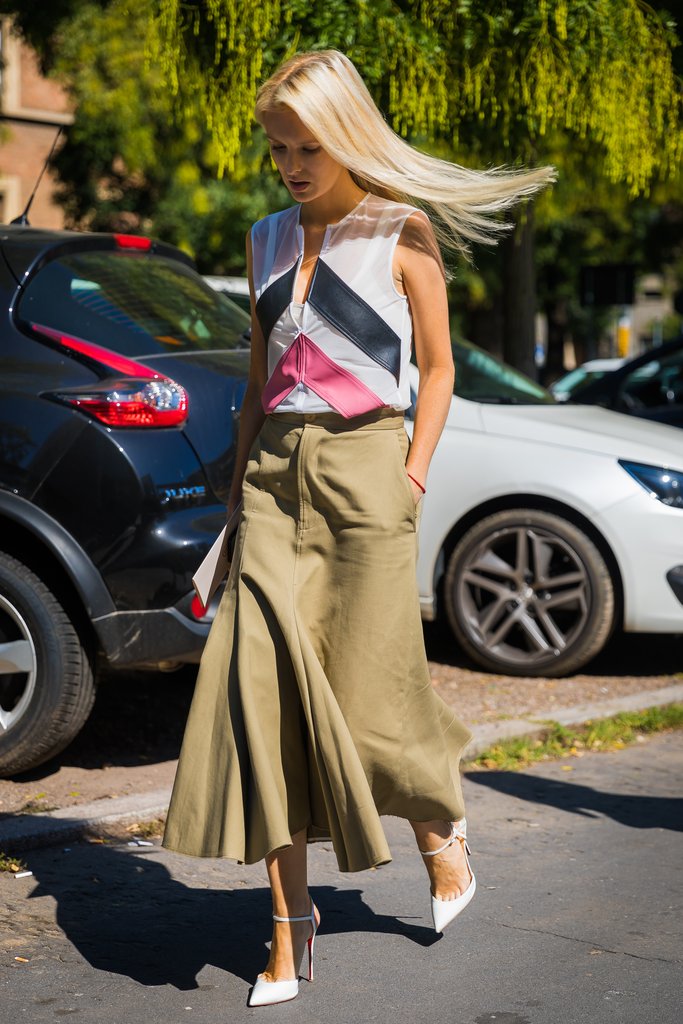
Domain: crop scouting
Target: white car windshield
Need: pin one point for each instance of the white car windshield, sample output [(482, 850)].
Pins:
[(480, 377)]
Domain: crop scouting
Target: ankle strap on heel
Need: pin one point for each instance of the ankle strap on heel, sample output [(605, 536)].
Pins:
[(308, 917), (456, 833)]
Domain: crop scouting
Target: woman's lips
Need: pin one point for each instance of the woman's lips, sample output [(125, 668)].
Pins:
[(298, 186)]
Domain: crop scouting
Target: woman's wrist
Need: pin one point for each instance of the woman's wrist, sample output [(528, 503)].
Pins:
[(417, 482), (417, 472), (233, 502)]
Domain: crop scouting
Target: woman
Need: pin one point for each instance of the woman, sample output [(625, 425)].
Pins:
[(314, 713)]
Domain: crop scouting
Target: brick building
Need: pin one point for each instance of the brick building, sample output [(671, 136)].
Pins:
[(31, 108)]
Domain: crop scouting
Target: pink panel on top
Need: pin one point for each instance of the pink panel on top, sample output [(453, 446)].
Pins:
[(304, 361)]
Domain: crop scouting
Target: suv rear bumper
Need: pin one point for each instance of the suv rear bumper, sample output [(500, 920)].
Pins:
[(150, 638)]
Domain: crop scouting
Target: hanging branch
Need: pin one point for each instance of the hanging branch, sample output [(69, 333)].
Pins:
[(499, 76)]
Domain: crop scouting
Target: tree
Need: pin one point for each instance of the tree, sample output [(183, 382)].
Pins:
[(494, 80), (128, 163), (584, 219), (587, 84)]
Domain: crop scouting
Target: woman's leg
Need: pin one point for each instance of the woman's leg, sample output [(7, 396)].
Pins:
[(288, 877), (448, 871)]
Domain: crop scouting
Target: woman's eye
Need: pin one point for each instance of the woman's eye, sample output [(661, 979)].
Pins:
[(279, 148)]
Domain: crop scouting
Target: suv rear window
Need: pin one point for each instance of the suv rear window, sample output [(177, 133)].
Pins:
[(133, 304)]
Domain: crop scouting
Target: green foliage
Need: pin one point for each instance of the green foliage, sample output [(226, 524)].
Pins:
[(153, 829), (586, 85), (210, 218), (601, 734), (10, 863), (495, 77), (226, 37), (36, 21), (129, 162)]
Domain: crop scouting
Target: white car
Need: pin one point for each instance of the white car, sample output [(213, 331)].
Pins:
[(547, 526)]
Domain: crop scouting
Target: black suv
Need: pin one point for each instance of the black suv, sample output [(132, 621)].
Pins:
[(650, 386), (121, 377)]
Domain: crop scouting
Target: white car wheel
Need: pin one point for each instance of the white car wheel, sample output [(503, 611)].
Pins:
[(529, 594)]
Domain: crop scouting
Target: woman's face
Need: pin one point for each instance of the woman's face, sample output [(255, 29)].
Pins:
[(306, 168)]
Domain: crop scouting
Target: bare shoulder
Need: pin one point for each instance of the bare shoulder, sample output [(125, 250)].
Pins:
[(417, 231), (417, 244)]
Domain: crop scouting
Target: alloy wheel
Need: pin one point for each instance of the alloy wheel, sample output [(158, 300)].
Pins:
[(525, 594), (18, 665)]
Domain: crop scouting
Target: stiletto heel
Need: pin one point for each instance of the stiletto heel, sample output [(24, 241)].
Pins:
[(265, 993), (311, 943), (444, 911)]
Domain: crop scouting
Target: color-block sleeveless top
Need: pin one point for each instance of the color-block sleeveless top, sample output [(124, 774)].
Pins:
[(346, 349)]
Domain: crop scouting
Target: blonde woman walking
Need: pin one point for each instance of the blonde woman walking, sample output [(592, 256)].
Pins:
[(314, 712)]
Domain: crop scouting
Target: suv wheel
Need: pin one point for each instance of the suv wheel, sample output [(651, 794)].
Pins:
[(529, 594), (46, 680)]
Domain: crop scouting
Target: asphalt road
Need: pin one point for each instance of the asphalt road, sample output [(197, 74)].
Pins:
[(577, 919)]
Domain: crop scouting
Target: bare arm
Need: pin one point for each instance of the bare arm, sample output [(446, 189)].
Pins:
[(252, 415), (420, 271)]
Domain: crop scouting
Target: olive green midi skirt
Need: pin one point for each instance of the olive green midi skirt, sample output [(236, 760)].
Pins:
[(313, 707)]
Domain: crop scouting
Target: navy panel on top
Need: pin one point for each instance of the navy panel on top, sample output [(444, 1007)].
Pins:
[(349, 313), (272, 303)]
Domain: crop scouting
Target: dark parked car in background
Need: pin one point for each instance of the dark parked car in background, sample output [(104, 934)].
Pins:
[(581, 376), (121, 377), (650, 386)]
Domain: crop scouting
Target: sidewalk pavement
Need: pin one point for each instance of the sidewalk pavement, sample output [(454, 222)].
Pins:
[(578, 917), (28, 831)]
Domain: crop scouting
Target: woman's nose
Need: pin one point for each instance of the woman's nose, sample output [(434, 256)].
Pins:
[(292, 164)]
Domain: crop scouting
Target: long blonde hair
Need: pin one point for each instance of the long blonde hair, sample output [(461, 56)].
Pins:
[(327, 93)]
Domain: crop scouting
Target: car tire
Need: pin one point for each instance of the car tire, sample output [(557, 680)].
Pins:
[(47, 686), (528, 593)]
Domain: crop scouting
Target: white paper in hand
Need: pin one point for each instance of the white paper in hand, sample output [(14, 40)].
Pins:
[(216, 564)]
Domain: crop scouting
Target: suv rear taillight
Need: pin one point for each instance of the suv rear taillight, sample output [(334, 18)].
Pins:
[(141, 398), (159, 402)]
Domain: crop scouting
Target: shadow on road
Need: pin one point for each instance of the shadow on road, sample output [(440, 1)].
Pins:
[(125, 914), (138, 718), (634, 811), (626, 654)]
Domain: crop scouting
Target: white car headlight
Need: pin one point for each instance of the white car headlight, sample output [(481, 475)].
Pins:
[(666, 485)]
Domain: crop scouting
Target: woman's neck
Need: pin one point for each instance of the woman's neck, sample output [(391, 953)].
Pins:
[(333, 205)]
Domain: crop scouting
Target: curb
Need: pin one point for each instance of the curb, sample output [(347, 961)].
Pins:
[(491, 733), (28, 831)]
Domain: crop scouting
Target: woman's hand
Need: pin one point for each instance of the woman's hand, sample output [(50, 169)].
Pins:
[(417, 491)]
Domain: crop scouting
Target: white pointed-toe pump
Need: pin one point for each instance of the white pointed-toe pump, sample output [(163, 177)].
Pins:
[(265, 993), (444, 911)]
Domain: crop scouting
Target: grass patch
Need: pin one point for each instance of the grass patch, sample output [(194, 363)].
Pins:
[(559, 741), (38, 804), (148, 829), (37, 807), (11, 864)]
